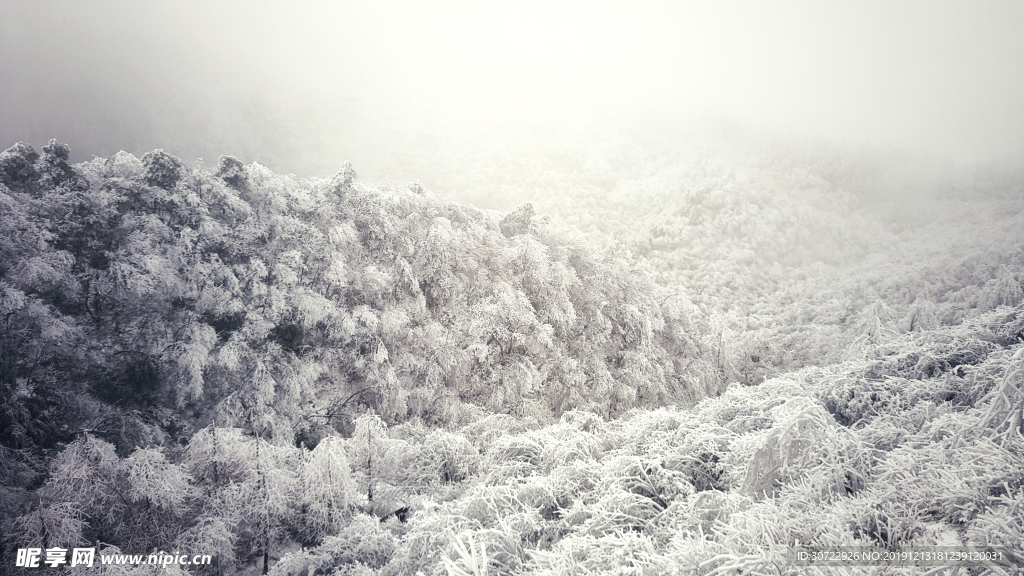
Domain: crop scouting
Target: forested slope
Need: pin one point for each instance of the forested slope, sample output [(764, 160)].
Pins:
[(790, 248), (269, 296), (320, 376)]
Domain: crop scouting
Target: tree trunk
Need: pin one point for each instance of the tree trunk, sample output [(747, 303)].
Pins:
[(266, 511)]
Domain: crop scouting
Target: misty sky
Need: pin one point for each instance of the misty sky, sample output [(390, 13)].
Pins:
[(302, 86)]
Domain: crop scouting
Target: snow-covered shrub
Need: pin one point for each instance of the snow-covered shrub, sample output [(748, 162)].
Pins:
[(342, 180), (583, 421), (449, 456), (54, 170), (625, 553), (232, 171), (17, 166), (887, 520), (563, 444), (521, 448), (700, 456), (805, 437), (487, 552), (517, 221), (60, 524), (162, 169), (853, 400), (486, 430), (219, 456), (1003, 290), (1001, 524), (151, 478), (213, 535), (1004, 413), (361, 545), (328, 490)]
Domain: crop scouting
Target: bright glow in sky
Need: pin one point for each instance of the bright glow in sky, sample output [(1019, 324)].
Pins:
[(302, 85)]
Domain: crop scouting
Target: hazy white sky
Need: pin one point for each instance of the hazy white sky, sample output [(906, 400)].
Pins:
[(302, 86)]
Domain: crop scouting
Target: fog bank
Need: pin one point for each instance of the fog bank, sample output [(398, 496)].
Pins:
[(302, 87)]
